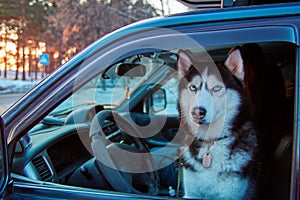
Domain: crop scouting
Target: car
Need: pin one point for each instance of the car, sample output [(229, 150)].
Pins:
[(79, 133)]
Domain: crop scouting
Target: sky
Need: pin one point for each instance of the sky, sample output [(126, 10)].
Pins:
[(174, 5)]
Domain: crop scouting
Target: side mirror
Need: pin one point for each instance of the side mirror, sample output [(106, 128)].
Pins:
[(3, 159), (159, 100)]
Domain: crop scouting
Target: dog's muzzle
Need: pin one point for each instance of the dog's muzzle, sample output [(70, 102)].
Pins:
[(199, 114)]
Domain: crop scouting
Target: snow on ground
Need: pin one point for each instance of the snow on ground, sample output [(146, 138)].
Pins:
[(15, 86), (9, 85)]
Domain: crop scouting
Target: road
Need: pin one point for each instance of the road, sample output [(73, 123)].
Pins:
[(7, 100)]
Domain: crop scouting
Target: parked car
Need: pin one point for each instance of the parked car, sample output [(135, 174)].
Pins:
[(130, 75)]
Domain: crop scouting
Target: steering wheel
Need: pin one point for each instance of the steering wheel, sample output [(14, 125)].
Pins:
[(122, 165)]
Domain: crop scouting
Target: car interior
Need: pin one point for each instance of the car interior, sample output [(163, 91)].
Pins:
[(132, 106)]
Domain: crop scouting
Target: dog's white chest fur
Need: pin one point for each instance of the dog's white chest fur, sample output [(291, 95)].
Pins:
[(219, 180)]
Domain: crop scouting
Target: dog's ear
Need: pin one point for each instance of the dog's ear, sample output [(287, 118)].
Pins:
[(234, 63), (183, 62)]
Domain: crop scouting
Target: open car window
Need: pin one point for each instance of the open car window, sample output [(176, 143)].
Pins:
[(141, 87)]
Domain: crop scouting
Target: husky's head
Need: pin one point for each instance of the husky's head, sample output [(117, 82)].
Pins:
[(209, 96)]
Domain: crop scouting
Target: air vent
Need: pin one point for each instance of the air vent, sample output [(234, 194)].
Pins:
[(42, 167)]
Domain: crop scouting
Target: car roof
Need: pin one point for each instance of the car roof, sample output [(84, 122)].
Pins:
[(222, 14), (200, 16)]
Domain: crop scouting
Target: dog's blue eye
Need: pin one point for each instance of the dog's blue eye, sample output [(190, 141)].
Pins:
[(216, 88), (193, 88)]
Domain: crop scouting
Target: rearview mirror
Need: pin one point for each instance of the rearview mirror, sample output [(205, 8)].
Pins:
[(131, 69)]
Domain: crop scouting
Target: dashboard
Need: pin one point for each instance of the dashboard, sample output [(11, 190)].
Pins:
[(64, 153), (54, 155), (54, 152)]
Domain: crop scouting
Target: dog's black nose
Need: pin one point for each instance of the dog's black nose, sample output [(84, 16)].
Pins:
[(199, 112)]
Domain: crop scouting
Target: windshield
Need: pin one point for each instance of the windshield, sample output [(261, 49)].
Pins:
[(112, 86)]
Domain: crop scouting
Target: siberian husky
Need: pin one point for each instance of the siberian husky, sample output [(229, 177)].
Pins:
[(215, 113)]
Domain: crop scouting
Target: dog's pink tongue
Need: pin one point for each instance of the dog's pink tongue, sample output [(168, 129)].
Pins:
[(206, 160)]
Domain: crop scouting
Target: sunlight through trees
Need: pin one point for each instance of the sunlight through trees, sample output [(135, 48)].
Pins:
[(29, 28)]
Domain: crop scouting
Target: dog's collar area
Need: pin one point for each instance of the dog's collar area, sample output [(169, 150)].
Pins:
[(212, 141), (206, 158)]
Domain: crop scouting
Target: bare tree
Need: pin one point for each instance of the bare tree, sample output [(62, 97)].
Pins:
[(74, 24), (65, 26)]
